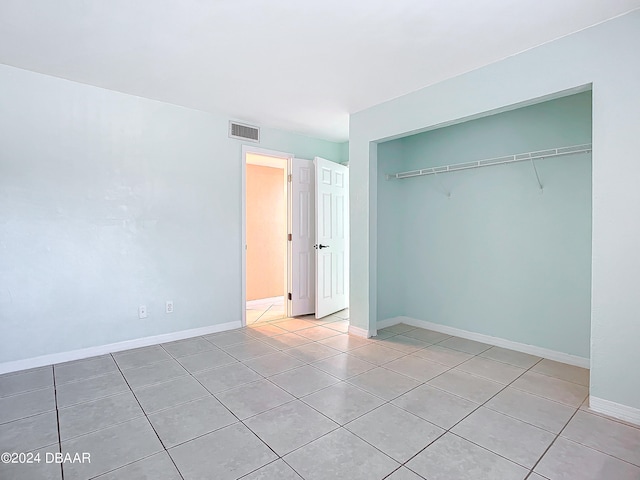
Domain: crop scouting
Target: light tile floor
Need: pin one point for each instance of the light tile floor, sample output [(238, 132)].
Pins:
[(299, 398), (265, 311)]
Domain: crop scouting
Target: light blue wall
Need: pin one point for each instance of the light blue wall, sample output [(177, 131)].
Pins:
[(498, 257), (604, 56), (391, 262), (110, 201)]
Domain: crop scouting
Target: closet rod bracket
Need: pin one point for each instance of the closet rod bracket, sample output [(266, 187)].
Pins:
[(533, 163)]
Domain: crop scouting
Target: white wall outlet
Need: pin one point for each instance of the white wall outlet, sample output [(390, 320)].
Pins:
[(142, 311), (168, 306)]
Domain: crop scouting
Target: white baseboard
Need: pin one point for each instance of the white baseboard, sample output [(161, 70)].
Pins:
[(360, 332), (613, 409), (496, 341), (54, 358), (261, 301)]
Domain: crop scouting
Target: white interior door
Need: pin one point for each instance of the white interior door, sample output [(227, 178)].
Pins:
[(302, 228), (332, 237)]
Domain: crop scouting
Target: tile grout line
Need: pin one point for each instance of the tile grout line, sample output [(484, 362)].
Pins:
[(150, 424), (292, 468), (260, 439), (55, 394), (260, 316), (265, 465), (28, 416), (529, 475), (397, 470), (24, 392), (558, 378), (448, 430), (609, 418), (552, 443), (591, 447), (75, 437)]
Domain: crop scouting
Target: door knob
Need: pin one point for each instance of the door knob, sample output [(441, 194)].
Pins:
[(321, 246)]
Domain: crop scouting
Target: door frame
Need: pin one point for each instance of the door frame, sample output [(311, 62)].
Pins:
[(286, 157)]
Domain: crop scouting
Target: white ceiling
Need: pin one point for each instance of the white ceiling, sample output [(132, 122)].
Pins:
[(297, 65)]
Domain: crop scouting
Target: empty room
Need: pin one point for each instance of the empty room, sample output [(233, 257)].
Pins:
[(336, 240)]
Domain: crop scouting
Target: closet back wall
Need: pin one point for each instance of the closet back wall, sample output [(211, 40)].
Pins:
[(498, 257)]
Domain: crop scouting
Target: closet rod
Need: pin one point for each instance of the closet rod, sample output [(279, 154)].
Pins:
[(519, 157)]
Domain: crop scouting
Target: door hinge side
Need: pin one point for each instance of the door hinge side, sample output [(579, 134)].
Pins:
[(289, 296), (289, 237), (289, 178)]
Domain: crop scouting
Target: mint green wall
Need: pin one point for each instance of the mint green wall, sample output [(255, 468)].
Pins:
[(344, 152), (110, 201), (498, 257), (604, 56)]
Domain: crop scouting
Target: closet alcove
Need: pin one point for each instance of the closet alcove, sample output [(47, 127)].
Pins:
[(503, 250)]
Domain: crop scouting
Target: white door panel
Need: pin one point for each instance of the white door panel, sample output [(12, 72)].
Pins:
[(302, 227), (332, 259)]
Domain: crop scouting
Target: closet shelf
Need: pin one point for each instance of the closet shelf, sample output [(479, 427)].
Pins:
[(519, 157)]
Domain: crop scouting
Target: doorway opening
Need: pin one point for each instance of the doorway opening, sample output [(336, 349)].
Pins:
[(295, 258), (266, 237)]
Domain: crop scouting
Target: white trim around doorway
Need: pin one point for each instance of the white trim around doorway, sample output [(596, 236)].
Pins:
[(243, 246)]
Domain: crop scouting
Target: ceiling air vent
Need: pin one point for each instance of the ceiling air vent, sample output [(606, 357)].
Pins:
[(244, 132)]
